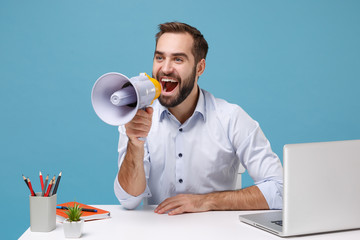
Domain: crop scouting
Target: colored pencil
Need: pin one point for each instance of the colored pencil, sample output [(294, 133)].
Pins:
[(48, 189), (41, 180), (52, 185), (46, 181), (31, 189), (57, 184), (25, 181)]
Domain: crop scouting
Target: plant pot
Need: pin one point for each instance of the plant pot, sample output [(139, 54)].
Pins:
[(73, 229)]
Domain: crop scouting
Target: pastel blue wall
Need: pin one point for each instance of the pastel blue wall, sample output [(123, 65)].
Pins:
[(294, 66)]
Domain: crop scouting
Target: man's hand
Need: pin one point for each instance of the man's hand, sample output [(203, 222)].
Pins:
[(140, 125), (183, 203), (249, 198)]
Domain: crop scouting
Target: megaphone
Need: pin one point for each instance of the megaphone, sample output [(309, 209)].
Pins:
[(116, 98)]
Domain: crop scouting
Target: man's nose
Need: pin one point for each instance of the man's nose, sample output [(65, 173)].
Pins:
[(167, 67)]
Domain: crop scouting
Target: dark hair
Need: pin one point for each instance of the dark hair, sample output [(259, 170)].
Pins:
[(200, 47)]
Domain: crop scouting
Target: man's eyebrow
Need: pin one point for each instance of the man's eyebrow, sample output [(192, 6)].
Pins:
[(180, 54), (158, 52)]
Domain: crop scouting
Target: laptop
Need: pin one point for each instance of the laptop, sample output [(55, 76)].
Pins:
[(321, 190)]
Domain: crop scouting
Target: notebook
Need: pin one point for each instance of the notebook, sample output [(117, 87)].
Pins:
[(87, 216), (321, 190)]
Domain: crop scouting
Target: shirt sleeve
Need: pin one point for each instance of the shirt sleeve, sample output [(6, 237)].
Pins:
[(255, 154), (125, 199), (263, 166)]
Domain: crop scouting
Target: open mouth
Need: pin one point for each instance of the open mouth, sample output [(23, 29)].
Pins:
[(168, 85)]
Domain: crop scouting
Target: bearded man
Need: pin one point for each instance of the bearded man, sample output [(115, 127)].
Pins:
[(194, 141)]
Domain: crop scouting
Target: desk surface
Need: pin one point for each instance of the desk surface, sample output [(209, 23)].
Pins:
[(143, 223)]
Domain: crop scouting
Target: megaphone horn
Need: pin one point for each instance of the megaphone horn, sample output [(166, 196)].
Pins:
[(116, 98)]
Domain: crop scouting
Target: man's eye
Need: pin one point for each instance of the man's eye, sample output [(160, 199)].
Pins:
[(178, 60), (159, 58)]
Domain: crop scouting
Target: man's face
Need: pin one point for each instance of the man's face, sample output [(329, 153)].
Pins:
[(174, 67)]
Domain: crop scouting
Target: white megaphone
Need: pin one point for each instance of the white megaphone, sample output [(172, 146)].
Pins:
[(116, 98)]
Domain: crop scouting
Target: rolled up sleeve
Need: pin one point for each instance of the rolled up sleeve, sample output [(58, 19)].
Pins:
[(272, 191), (126, 200)]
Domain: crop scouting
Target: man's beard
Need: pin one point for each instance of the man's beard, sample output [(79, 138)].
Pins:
[(184, 90)]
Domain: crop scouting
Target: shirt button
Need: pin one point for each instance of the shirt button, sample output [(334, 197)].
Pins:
[(180, 155), (180, 180), (180, 129)]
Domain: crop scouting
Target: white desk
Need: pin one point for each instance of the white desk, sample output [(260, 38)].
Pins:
[(143, 223)]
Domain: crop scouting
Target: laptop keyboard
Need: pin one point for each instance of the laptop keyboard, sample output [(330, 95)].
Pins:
[(277, 222)]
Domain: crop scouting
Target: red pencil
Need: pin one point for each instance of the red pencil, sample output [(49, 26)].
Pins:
[(48, 189), (31, 189), (41, 181)]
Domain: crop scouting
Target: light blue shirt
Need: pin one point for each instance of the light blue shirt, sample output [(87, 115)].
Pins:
[(203, 154)]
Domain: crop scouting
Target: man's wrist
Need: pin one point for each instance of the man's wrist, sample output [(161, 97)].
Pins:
[(210, 202), (220, 200), (135, 153), (135, 143)]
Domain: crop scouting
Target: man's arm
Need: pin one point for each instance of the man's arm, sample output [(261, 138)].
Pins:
[(249, 198), (266, 194), (131, 175)]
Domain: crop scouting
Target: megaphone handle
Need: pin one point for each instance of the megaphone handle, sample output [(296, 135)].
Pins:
[(143, 138)]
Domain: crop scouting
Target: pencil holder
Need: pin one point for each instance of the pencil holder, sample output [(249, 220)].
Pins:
[(42, 213)]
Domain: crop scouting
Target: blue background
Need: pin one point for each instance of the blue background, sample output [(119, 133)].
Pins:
[(294, 66)]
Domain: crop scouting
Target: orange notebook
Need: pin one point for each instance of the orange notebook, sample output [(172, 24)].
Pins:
[(100, 214)]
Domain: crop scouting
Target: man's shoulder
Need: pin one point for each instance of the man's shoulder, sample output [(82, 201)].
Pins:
[(221, 105), (228, 114)]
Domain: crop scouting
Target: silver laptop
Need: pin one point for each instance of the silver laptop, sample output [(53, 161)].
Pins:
[(321, 190)]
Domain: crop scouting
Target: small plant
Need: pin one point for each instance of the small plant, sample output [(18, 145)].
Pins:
[(74, 213)]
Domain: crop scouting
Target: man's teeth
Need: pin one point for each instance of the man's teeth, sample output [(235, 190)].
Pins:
[(168, 80)]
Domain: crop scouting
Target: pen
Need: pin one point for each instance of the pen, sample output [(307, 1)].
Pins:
[(31, 189), (82, 209), (41, 180), (57, 184), (46, 181)]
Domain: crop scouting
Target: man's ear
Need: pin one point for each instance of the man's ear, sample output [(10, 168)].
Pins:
[(200, 68)]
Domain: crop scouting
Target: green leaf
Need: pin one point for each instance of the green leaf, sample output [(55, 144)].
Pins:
[(74, 213)]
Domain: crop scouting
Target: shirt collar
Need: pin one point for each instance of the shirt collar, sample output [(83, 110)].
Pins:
[(200, 107)]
